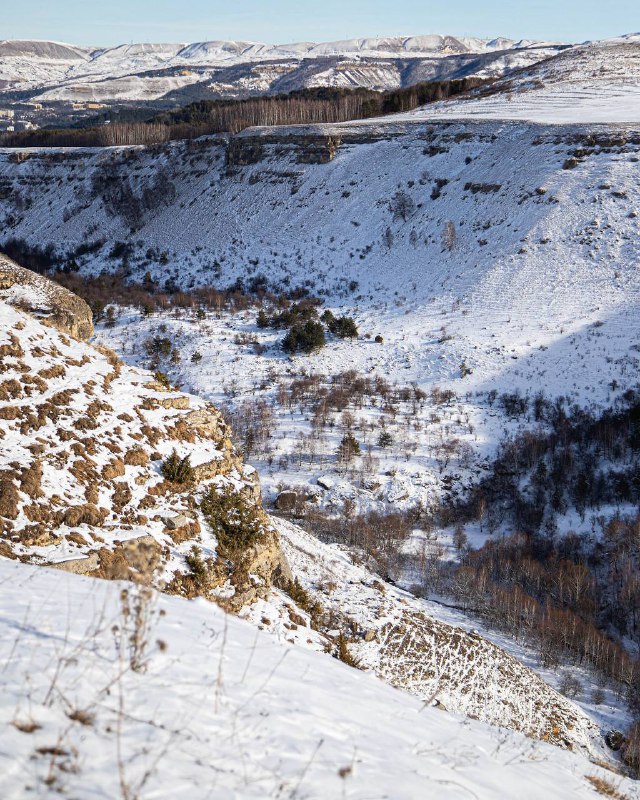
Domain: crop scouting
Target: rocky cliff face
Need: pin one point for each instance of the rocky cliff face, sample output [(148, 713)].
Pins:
[(82, 444), (51, 303), (323, 200)]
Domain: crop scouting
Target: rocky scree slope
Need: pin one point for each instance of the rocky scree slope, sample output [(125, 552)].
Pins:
[(396, 636), (82, 441)]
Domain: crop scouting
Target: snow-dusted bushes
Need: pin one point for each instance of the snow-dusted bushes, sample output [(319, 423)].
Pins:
[(234, 521), (304, 338), (177, 470)]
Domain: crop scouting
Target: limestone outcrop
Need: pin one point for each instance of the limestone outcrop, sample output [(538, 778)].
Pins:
[(52, 304), (83, 442)]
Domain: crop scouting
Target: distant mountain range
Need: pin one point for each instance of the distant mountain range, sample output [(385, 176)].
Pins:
[(51, 72)]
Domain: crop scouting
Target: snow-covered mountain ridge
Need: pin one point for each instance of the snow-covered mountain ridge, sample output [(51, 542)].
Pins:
[(53, 72), (594, 82), (123, 57)]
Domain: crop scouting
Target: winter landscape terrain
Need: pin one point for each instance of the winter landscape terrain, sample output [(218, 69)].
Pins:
[(51, 71), (223, 711), (371, 387)]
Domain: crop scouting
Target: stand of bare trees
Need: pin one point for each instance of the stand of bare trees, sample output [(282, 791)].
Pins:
[(308, 106), (555, 603)]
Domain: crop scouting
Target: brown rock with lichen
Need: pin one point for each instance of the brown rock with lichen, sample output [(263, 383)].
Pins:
[(9, 498)]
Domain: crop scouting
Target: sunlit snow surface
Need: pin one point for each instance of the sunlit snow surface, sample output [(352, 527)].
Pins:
[(597, 82), (223, 711)]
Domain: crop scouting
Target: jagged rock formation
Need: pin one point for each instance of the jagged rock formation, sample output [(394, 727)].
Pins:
[(82, 443)]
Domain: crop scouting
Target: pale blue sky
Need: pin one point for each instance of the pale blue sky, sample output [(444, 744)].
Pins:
[(104, 22)]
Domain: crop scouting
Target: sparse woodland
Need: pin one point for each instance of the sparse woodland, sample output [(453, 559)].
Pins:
[(208, 117)]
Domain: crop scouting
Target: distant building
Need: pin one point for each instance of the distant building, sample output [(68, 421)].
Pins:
[(7, 113), (87, 106)]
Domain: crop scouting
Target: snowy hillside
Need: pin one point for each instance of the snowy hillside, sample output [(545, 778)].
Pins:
[(467, 278), (82, 488), (50, 72), (538, 218), (25, 63), (84, 444), (404, 641), (203, 704), (595, 82)]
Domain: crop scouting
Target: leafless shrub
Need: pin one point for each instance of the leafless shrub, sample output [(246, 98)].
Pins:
[(449, 236), (402, 206)]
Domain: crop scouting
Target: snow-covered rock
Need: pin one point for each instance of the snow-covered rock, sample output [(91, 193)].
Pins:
[(82, 443)]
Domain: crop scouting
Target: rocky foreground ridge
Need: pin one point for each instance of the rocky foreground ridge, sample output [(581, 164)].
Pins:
[(83, 440), (51, 303)]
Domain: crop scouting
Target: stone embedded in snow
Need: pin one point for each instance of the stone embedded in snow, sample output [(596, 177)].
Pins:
[(174, 523)]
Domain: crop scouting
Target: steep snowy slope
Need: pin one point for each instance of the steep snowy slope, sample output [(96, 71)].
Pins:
[(473, 227), (209, 708), (80, 488), (401, 639), (150, 71), (82, 443)]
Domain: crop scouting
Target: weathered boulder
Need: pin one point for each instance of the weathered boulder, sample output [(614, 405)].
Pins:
[(173, 523), (263, 565), (286, 501)]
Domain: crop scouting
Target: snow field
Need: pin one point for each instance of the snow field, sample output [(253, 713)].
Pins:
[(220, 710)]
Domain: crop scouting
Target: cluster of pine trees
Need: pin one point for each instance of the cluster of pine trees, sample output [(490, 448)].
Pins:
[(306, 329)]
